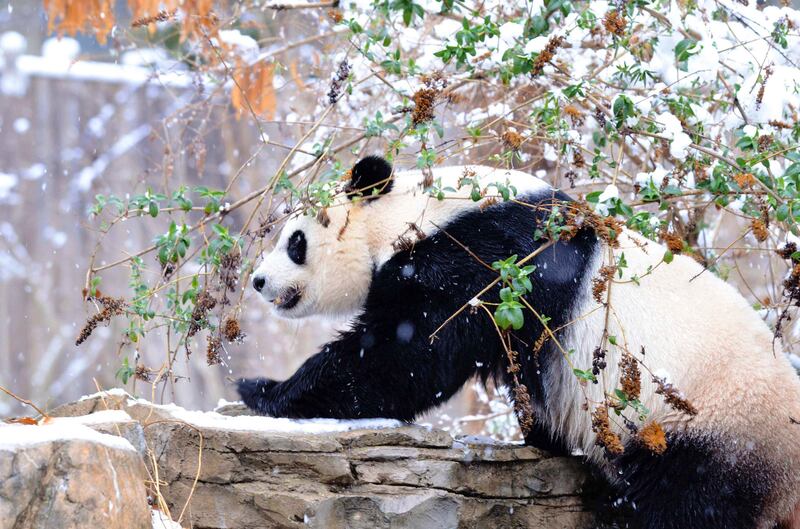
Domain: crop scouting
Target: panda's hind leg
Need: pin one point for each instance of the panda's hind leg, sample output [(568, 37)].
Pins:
[(697, 483)]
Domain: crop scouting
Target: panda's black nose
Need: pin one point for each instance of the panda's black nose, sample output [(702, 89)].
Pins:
[(259, 282)]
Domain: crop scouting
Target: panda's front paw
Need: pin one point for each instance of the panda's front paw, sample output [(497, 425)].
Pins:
[(256, 392)]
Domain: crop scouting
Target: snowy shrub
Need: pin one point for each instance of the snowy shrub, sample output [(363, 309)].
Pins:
[(677, 119)]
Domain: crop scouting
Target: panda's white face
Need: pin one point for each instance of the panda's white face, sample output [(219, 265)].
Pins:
[(316, 268)]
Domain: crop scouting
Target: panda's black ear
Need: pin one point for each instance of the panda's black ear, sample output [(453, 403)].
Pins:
[(370, 175)]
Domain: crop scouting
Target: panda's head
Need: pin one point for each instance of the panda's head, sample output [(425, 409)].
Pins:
[(322, 264)]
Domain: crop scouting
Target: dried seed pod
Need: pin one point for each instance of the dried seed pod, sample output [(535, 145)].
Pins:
[(630, 378), (673, 396), (606, 438), (111, 307), (653, 437)]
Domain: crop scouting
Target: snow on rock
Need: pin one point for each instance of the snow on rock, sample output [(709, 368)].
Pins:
[(253, 423), (104, 416), (16, 436), (113, 392), (306, 470), (65, 475)]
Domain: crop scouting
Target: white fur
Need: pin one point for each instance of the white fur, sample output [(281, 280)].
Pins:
[(340, 257), (701, 333)]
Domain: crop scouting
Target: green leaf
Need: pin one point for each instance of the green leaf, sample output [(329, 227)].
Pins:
[(509, 314), (584, 375), (668, 257), (782, 213), (685, 49), (506, 294)]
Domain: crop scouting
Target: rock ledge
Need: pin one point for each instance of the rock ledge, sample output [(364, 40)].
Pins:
[(244, 472)]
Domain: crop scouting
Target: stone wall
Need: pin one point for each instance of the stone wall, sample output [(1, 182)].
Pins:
[(217, 471)]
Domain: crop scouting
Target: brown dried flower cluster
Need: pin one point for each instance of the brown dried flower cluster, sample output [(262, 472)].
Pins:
[(780, 124), (673, 396), (606, 437), (598, 361), (335, 15), (212, 351), (581, 215), (512, 139), (615, 22), (487, 203), (578, 160), (229, 269), (700, 171), (538, 344), (232, 331), (600, 283), (600, 117), (760, 96), (424, 103), (759, 230), (142, 373), (522, 398), (574, 113), (787, 251), (425, 98), (630, 378), (111, 307), (673, 241), (523, 408), (338, 81), (161, 16), (546, 55), (744, 180), (203, 304), (653, 437)]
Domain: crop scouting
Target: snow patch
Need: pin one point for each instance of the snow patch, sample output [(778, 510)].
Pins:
[(99, 417), (17, 436), (211, 419)]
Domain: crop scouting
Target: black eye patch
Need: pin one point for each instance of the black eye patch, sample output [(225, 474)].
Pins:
[(296, 248)]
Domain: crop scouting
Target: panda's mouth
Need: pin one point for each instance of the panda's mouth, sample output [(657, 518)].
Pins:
[(288, 299)]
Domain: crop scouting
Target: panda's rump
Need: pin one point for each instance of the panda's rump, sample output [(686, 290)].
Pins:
[(698, 332)]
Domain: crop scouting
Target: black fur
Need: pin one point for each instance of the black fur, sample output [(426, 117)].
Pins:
[(296, 248), (386, 365), (700, 482), (371, 175)]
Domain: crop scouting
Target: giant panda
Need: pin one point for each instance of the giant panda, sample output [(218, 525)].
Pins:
[(402, 261)]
